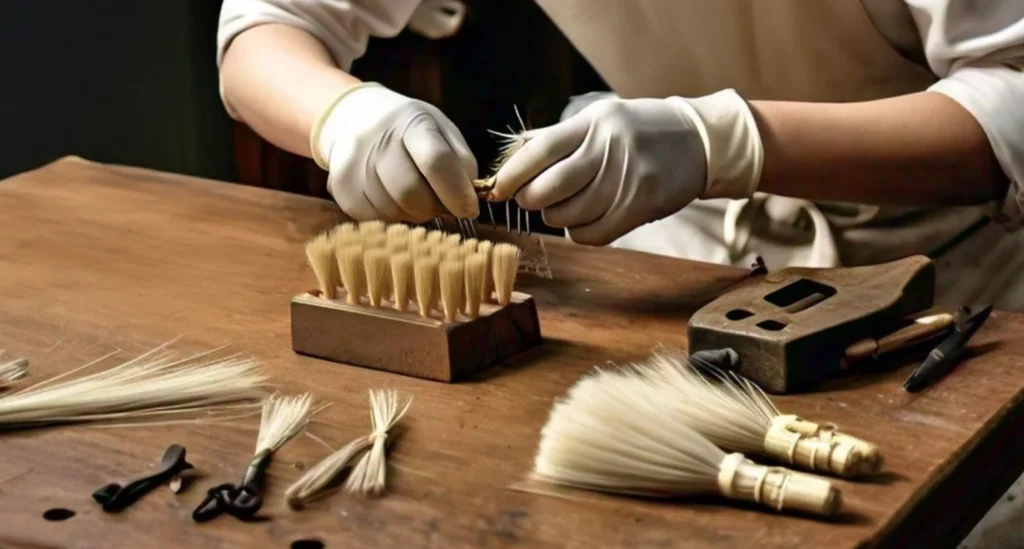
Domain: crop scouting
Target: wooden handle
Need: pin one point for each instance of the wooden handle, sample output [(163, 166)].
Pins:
[(924, 325)]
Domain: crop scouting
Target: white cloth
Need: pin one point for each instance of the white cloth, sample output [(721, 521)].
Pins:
[(841, 50)]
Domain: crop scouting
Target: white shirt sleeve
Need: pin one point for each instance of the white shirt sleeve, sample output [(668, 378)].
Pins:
[(343, 26), (976, 47)]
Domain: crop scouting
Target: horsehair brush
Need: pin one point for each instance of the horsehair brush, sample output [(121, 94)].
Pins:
[(369, 474), (153, 384), (735, 414), (602, 436), (429, 304)]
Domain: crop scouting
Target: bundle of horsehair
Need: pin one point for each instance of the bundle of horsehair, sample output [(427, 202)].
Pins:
[(12, 370), (735, 414), (391, 266), (149, 385), (511, 143), (368, 476), (603, 437)]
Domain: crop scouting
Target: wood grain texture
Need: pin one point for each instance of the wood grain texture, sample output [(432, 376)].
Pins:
[(95, 258)]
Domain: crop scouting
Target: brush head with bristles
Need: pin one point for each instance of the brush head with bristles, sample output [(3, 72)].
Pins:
[(505, 265), (452, 287), (475, 273), (353, 272), (320, 255), (402, 279), (484, 248), (604, 436), (425, 274)]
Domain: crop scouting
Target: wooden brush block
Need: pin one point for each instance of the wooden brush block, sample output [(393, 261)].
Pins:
[(406, 343), (791, 327)]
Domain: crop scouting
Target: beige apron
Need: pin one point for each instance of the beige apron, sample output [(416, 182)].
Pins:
[(796, 50)]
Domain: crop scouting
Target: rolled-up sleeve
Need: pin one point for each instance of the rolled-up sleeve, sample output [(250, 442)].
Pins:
[(976, 47), (343, 26)]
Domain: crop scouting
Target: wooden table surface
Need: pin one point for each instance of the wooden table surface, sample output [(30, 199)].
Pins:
[(95, 258)]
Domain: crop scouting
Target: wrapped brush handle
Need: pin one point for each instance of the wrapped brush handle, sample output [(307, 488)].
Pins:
[(776, 487), (817, 447)]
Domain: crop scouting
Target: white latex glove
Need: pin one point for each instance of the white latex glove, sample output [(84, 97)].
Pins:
[(394, 158), (619, 164)]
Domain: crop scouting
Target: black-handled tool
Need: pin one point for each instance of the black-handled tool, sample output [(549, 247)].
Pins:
[(241, 501), (944, 358), (114, 497)]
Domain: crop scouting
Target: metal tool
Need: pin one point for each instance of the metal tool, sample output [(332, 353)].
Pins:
[(944, 357), (241, 501), (114, 497)]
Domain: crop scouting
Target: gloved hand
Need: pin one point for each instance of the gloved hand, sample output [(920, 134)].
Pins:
[(619, 164), (393, 158)]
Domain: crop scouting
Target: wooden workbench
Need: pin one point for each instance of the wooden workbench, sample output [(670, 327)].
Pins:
[(95, 258)]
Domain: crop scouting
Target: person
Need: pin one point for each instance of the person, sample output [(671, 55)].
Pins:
[(833, 133)]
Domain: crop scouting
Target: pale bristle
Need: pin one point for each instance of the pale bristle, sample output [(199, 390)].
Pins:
[(417, 234), (470, 245), (452, 288), (344, 235), (505, 262), (378, 275), (484, 248), (371, 227), (320, 255), (402, 279), (374, 241), (398, 237), (353, 273), (453, 240), (434, 237), (476, 272), (426, 283), (368, 477), (283, 419)]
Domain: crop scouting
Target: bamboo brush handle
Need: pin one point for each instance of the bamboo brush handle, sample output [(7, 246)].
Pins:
[(815, 447), (776, 487)]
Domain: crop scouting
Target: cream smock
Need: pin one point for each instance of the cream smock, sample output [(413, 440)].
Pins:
[(795, 50)]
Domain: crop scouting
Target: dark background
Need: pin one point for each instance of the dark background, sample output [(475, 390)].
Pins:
[(134, 82)]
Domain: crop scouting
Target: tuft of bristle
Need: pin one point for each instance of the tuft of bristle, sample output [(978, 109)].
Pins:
[(320, 255), (453, 240), (374, 241), (452, 287), (417, 234), (378, 275), (345, 234), (434, 238), (353, 273), (485, 247), (283, 419), (398, 238), (402, 279), (505, 264), (368, 477), (470, 244), (426, 283), (475, 273), (371, 227)]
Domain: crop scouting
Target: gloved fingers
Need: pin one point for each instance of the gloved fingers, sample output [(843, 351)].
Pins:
[(563, 180), (355, 204), (589, 205), (440, 166), (405, 185), (543, 148), (601, 232)]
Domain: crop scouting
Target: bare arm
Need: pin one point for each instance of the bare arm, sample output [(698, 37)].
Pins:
[(278, 79), (922, 149)]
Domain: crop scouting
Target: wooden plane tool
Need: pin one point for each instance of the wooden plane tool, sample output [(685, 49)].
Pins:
[(797, 327)]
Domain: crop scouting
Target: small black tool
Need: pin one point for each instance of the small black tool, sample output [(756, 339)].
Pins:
[(241, 501), (114, 497), (943, 358)]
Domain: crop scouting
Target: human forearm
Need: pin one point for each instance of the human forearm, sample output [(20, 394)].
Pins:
[(922, 149), (278, 80)]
